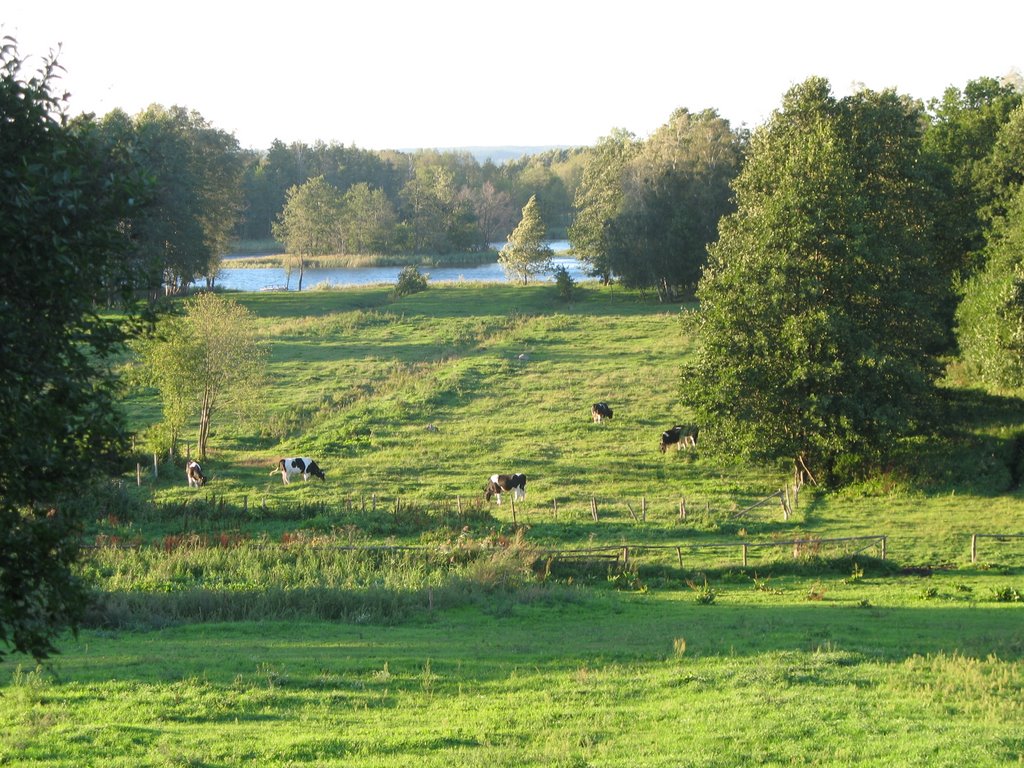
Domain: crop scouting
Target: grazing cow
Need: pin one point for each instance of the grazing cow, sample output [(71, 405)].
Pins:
[(194, 474), (599, 411), (681, 436), (299, 466), (499, 484)]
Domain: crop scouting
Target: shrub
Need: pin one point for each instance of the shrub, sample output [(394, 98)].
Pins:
[(564, 282), (410, 280), (705, 595)]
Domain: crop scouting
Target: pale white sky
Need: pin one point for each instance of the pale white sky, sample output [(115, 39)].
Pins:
[(441, 73)]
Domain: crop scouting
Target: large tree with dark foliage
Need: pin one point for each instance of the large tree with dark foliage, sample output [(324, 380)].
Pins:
[(819, 322), (61, 227)]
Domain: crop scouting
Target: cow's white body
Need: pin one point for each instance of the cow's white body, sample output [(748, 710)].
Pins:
[(194, 474), (292, 467), (499, 484)]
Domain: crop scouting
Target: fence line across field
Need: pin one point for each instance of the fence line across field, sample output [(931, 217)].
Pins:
[(998, 536), (618, 552), (623, 551)]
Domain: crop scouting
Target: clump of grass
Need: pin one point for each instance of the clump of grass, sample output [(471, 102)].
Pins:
[(762, 585), (704, 593), (856, 574), (816, 591), (1007, 595)]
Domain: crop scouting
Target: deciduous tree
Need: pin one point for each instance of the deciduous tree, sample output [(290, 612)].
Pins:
[(203, 361), (599, 201), (194, 202), (817, 328), (674, 191), (61, 236), (990, 319), (311, 222)]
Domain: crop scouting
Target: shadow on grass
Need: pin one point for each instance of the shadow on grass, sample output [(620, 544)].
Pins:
[(486, 644)]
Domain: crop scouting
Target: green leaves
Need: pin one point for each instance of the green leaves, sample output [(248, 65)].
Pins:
[(526, 255), (818, 307), (209, 357)]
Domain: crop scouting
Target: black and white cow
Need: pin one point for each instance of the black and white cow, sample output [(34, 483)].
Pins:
[(599, 411), (298, 466), (499, 484), (194, 474), (681, 436)]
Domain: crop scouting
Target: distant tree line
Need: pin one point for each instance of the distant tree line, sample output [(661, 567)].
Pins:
[(420, 202)]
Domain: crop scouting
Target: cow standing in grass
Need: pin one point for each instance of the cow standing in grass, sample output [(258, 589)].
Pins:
[(194, 474), (298, 466), (499, 484), (599, 412), (681, 436)]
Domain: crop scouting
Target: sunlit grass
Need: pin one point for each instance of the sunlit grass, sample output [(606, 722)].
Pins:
[(239, 629)]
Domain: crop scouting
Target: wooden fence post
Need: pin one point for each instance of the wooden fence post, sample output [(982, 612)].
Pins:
[(138, 474), (625, 557), (554, 509), (974, 547), (884, 539), (458, 504), (679, 556), (744, 555), (593, 507), (512, 500), (156, 472)]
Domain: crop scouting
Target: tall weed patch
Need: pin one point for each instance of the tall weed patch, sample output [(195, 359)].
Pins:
[(316, 578)]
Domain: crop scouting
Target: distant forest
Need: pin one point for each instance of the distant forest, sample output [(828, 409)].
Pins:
[(641, 211)]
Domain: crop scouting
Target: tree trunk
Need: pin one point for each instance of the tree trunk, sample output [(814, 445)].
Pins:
[(205, 416)]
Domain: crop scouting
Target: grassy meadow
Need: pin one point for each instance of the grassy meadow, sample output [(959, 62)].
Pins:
[(388, 616)]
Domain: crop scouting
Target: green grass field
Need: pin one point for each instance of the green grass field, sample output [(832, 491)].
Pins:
[(389, 617)]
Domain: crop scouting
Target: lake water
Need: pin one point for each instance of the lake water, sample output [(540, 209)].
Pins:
[(266, 278)]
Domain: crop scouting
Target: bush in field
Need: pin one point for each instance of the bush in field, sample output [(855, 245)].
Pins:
[(564, 282), (410, 280)]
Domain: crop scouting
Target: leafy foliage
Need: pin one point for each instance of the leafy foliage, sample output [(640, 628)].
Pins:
[(60, 242), (818, 322), (526, 255), (564, 283), (311, 221), (208, 357), (184, 227), (962, 134), (410, 280), (599, 200), (990, 319), (674, 191)]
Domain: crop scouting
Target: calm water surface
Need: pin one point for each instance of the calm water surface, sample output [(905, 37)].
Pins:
[(265, 278)]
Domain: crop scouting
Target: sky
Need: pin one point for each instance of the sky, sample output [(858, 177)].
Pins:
[(408, 74)]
